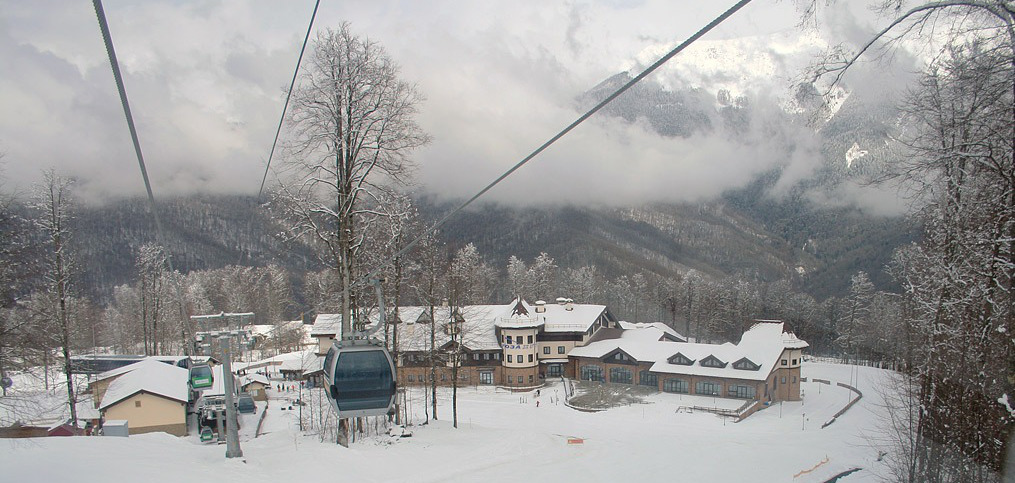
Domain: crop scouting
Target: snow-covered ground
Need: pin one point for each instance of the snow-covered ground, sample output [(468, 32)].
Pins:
[(503, 436)]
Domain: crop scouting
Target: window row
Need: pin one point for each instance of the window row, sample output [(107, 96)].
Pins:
[(520, 358), (462, 376), (622, 375), (560, 349), (519, 379), (517, 340)]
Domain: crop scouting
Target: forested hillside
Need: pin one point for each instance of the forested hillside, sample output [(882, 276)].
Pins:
[(743, 234)]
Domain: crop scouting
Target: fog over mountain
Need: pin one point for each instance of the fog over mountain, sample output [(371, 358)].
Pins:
[(205, 82)]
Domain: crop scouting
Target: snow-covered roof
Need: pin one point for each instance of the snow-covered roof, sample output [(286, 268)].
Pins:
[(327, 325), (218, 384), (289, 361), (655, 330), (252, 378), (479, 329), (762, 344), (150, 376), (165, 360)]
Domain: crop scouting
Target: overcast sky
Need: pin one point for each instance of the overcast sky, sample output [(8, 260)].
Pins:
[(205, 81)]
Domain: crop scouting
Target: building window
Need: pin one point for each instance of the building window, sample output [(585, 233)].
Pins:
[(530, 357), (137, 404), (745, 364), (675, 385), (784, 362), (794, 362), (708, 388), (620, 375), (530, 339), (712, 361), (486, 356), (680, 359), (508, 341), (560, 349), (496, 356), (530, 378), (646, 378), (509, 357), (783, 381), (546, 350), (794, 379), (592, 373), (741, 391), (511, 379), (475, 356), (444, 377), (412, 378), (486, 377)]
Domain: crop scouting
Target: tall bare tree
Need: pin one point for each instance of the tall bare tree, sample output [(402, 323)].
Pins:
[(353, 128), (53, 203)]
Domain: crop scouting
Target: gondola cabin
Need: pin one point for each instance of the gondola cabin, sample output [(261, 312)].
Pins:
[(359, 379), (200, 376)]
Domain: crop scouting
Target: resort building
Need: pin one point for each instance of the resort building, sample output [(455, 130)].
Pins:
[(521, 344), (763, 366), (518, 344)]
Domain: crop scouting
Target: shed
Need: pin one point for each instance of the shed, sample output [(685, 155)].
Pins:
[(116, 427), (255, 385)]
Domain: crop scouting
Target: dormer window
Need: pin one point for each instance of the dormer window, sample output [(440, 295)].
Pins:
[(712, 361), (619, 356), (746, 364), (680, 359)]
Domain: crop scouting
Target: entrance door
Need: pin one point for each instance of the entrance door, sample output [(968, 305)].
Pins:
[(554, 370), (486, 377)]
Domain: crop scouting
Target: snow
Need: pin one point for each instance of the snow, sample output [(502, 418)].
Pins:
[(762, 344), (854, 153), (150, 376), (504, 436), (327, 325)]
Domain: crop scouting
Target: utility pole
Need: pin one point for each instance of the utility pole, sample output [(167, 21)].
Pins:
[(226, 339)]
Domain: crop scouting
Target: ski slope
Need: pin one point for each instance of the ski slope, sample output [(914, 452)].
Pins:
[(504, 436)]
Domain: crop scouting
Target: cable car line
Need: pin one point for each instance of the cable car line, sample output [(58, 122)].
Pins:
[(159, 232), (662, 60), (289, 94)]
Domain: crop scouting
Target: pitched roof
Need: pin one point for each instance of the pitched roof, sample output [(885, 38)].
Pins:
[(251, 378), (327, 325), (165, 360), (762, 344), (149, 376)]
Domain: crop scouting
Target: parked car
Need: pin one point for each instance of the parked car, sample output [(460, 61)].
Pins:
[(245, 404)]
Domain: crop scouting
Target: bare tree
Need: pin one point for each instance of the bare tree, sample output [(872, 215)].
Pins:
[(53, 203), (353, 127)]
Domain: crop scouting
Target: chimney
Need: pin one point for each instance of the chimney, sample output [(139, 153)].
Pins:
[(540, 306), (569, 305)]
